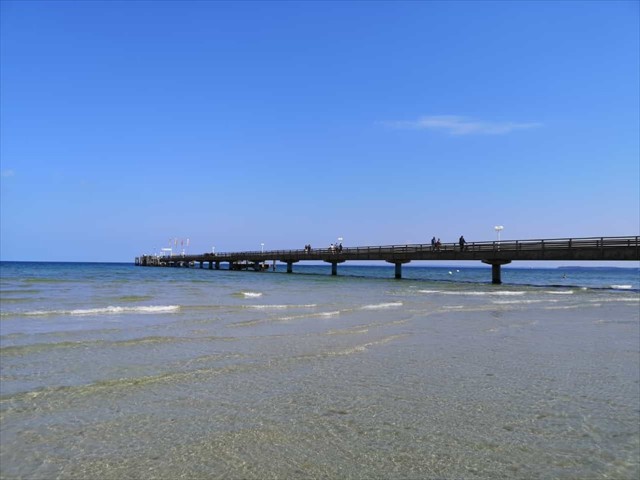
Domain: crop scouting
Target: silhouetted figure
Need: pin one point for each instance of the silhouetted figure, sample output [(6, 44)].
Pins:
[(462, 241), (433, 243)]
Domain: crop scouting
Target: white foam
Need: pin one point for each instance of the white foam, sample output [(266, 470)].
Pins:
[(267, 307), (567, 307), (108, 310), (473, 293), (622, 287), (252, 294), (380, 306), (311, 315), (624, 299), (560, 292), (522, 302)]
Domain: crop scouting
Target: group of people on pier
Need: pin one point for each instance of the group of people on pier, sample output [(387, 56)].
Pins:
[(333, 248), (436, 245)]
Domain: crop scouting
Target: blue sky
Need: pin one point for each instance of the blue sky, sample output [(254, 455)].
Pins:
[(126, 124)]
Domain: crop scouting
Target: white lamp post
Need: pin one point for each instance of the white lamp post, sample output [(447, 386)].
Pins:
[(213, 250), (340, 239), (498, 229), (262, 247)]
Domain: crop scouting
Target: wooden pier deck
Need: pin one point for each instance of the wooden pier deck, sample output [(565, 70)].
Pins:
[(494, 253)]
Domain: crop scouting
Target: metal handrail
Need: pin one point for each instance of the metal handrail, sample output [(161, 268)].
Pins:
[(484, 246)]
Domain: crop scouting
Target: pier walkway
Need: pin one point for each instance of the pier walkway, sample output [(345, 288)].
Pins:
[(494, 253)]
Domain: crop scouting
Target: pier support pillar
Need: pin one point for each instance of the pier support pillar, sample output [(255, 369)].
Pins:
[(334, 265), (201, 264), (217, 265), (289, 267), (210, 265), (398, 264), (495, 269)]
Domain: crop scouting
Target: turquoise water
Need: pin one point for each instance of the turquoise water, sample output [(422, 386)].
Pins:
[(116, 371)]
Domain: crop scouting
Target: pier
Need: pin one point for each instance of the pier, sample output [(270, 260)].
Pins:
[(494, 253)]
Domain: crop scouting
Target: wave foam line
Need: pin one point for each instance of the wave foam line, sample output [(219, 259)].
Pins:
[(266, 307), (252, 294), (473, 293), (104, 310), (15, 350), (252, 323), (624, 299), (364, 347), (569, 307), (523, 302), (380, 306), (120, 384), (247, 294), (311, 315)]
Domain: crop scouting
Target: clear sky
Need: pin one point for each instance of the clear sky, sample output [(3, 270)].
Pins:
[(127, 124)]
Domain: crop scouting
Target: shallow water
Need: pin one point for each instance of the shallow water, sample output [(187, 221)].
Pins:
[(115, 371)]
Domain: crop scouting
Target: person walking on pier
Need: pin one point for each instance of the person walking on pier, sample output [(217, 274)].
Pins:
[(462, 241), (433, 243)]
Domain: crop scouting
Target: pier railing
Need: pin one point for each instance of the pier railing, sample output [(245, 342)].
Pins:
[(503, 246)]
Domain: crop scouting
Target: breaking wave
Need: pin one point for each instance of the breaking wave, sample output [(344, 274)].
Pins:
[(244, 294), (111, 310), (267, 307), (473, 293), (380, 306)]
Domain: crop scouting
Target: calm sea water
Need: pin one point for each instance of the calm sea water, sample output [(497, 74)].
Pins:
[(111, 371)]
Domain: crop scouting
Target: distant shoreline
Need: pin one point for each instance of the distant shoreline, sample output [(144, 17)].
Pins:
[(569, 267)]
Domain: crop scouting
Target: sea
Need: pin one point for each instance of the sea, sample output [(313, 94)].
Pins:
[(113, 371)]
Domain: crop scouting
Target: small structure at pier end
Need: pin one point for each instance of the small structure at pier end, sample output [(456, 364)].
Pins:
[(494, 253)]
